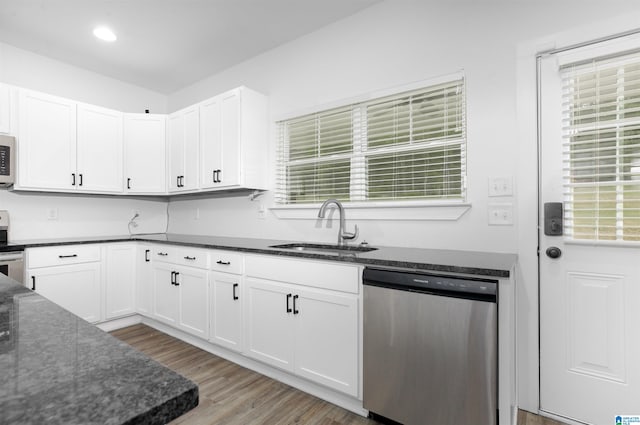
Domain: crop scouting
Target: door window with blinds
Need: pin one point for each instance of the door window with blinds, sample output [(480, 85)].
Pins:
[(405, 147), (601, 148)]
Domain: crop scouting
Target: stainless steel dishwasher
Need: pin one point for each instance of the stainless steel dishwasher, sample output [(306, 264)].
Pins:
[(430, 348)]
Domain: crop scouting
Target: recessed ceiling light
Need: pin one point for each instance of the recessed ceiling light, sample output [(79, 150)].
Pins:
[(104, 33)]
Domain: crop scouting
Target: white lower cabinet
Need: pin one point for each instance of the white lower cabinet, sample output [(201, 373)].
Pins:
[(70, 276), (326, 336), (120, 280), (144, 280), (226, 298), (180, 297), (269, 323), (307, 330)]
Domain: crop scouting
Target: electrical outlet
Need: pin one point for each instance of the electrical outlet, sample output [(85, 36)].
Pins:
[(52, 214), (262, 211), (135, 213), (500, 214)]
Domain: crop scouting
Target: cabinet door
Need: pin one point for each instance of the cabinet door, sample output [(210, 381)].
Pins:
[(269, 324), (193, 300), (73, 287), (145, 156), (165, 294), (230, 121), (6, 112), (210, 142), (175, 147), (120, 280), (47, 146), (226, 310), (144, 281), (183, 149), (327, 339), (99, 149)]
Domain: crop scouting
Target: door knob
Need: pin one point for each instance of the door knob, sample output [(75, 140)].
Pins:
[(553, 252)]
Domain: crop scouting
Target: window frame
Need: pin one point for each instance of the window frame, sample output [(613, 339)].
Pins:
[(412, 209)]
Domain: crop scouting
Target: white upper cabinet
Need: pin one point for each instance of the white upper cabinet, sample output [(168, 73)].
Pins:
[(99, 150), (233, 140), (145, 153), (66, 146), (183, 141), (46, 143), (7, 111)]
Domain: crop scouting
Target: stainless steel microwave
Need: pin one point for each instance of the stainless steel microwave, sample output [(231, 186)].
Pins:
[(7, 160)]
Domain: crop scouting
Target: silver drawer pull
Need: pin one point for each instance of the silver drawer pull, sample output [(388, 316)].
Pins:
[(189, 258), (224, 263), (68, 256), (163, 254)]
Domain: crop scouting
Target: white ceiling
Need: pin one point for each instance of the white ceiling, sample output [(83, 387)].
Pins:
[(163, 45)]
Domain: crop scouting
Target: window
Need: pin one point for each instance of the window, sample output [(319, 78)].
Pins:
[(405, 147), (601, 148)]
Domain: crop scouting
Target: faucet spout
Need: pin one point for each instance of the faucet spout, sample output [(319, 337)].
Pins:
[(342, 234)]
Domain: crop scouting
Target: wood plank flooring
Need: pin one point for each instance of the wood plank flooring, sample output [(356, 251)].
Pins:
[(233, 395)]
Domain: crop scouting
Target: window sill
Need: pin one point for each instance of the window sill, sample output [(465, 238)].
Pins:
[(406, 212)]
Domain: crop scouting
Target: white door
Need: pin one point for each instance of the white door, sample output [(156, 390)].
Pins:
[(183, 149), (191, 148), (269, 322), (120, 280), (144, 281), (226, 310), (194, 300), (175, 141), (100, 153), (145, 153), (6, 111), (327, 339), (165, 294), (590, 275), (229, 174), (74, 287), (47, 143), (210, 142)]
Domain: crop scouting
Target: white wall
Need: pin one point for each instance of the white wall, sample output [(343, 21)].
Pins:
[(32, 71), (77, 215), (393, 44)]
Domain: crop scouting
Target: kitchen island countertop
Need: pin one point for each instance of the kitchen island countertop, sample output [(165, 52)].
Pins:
[(490, 264), (59, 369)]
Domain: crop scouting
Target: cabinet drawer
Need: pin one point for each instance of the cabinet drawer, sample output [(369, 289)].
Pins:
[(225, 261), (192, 257), (163, 253), (62, 255), (337, 277)]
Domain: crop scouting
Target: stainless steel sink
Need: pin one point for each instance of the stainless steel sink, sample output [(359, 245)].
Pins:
[(324, 248)]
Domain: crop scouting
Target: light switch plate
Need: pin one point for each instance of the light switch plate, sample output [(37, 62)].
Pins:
[(500, 214), (501, 186)]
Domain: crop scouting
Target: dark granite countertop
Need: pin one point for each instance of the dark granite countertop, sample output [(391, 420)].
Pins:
[(419, 259), (58, 369)]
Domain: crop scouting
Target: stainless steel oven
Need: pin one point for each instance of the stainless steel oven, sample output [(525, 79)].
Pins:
[(12, 265)]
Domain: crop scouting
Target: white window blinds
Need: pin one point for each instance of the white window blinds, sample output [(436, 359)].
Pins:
[(409, 146), (601, 148)]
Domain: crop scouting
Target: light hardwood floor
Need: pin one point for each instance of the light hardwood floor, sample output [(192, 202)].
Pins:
[(233, 395)]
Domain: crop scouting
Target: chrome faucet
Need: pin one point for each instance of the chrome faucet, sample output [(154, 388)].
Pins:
[(342, 234)]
